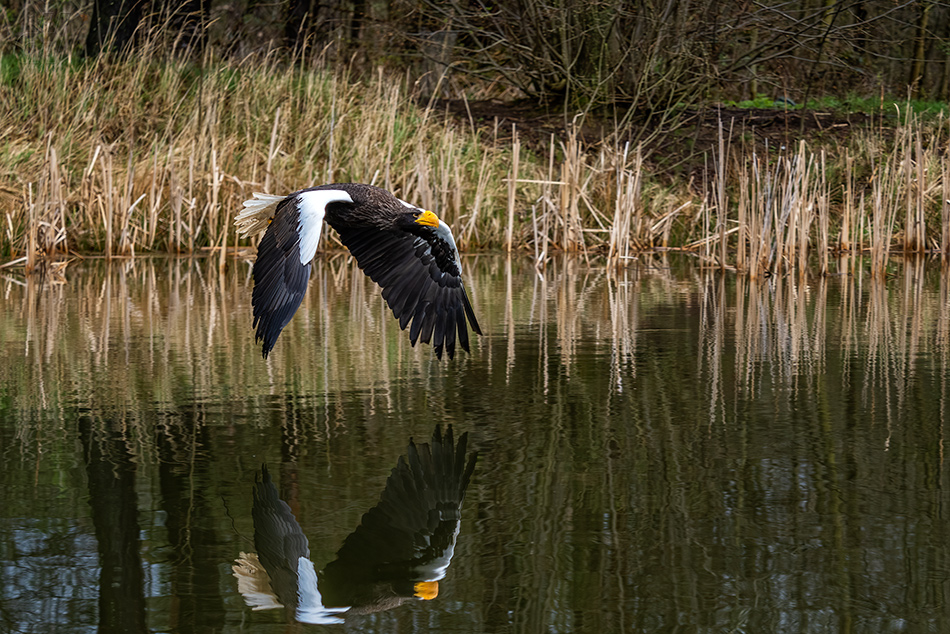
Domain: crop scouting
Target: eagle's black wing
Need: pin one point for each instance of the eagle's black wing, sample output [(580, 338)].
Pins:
[(409, 536), (280, 278), (421, 281), (279, 541)]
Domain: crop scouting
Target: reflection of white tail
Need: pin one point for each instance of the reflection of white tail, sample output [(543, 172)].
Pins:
[(257, 214), (254, 583)]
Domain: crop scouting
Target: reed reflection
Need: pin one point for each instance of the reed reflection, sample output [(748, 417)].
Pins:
[(136, 334), (398, 553)]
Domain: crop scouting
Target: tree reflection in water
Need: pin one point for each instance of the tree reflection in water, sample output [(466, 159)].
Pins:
[(670, 446)]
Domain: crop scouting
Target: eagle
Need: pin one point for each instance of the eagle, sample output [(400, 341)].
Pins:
[(408, 251)]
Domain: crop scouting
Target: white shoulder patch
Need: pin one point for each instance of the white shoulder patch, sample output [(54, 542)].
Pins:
[(310, 608), (312, 206)]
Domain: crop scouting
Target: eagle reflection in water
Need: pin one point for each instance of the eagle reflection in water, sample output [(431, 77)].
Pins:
[(398, 553)]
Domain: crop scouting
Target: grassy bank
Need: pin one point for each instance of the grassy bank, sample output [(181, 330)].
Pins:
[(125, 157), (121, 158)]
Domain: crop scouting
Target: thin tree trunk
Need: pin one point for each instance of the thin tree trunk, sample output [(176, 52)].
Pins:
[(113, 25), (918, 69)]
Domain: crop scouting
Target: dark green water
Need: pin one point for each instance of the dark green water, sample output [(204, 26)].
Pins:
[(662, 449)]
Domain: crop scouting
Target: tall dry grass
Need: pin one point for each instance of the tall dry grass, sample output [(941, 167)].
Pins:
[(877, 197), (155, 154), (121, 157)]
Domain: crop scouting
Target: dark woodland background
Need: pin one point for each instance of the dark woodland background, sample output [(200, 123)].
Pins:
[(644, 55)]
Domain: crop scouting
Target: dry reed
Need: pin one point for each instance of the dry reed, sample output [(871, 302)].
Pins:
[(151, 162), (125, 157)]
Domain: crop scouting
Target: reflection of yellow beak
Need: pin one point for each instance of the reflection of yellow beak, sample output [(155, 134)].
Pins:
[(426, 590), (428, 219)]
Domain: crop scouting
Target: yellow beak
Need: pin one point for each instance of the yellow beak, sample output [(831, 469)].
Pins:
[(426, 590), (428, 219)]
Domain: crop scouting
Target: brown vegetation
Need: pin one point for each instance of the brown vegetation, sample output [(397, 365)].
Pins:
[(124, 154)]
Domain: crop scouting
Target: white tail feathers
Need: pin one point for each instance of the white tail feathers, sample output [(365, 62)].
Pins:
[(257, 214)]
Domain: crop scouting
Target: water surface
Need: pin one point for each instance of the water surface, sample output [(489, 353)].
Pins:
[(663, 448)]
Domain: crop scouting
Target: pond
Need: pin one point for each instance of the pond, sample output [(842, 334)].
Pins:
[(660, 448)]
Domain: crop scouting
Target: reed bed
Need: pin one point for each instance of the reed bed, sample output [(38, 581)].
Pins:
[(155, 154), (121, 158)]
